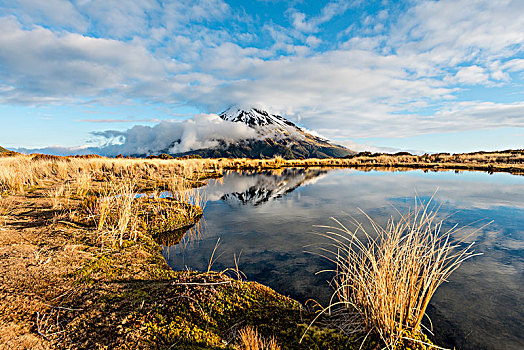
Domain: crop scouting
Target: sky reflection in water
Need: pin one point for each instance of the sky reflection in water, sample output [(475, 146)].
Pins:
[(269, 219)]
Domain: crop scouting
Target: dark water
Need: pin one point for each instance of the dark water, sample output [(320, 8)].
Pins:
[(268, 219)]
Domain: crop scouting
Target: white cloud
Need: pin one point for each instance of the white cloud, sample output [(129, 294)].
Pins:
[(313, 41), (114, 19), (472, 75), (332, 9), (456, 117), (185, 11), (324, 87), (61, 13), (457, 31), (202, 131), (515, 65), (358, 147), (299, 22), (42, 66)]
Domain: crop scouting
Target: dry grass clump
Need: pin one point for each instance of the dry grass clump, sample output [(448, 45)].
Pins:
[(120, 211), (15, 174), (113, 213), (251, 340), (126, 219), (182, 191), (83, 183), (389, 276)]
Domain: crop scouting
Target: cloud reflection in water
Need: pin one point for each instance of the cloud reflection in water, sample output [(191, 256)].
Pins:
[(269, 217)]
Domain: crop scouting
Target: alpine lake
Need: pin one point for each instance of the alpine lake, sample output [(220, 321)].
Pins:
[(269, 223)]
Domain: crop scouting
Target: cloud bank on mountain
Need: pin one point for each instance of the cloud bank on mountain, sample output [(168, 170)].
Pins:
[(201, 131)]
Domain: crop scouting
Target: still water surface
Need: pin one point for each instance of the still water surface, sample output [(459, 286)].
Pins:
[(268, 218)]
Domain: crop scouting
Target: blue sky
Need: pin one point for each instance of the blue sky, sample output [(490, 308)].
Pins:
[(413, 75)]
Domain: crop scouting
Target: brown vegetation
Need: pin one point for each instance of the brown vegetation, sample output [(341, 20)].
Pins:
[(511, 161), (251, 340), (389, 276)]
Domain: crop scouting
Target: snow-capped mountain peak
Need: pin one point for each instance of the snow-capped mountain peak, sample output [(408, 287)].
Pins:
[(256, 118)]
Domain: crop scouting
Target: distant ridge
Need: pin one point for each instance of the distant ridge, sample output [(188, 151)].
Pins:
[(276, 136), (4, 152)]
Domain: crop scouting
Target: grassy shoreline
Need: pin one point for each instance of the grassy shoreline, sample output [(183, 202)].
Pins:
[(70, 281), (81, 268), (509, 161), (505, 161)]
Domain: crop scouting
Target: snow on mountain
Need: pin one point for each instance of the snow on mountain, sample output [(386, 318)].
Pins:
[(255, 117), (266, 124)]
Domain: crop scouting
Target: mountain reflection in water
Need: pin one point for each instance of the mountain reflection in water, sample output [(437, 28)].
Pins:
[(270, 185), (268, 218)]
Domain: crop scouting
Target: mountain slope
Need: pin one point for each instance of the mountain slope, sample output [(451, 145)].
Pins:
[(4, 152), (276, 136)]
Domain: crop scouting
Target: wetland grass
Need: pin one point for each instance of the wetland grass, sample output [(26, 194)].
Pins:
[(100, 192), (120, 212), (126, 218), (388, 276), (21, 172)]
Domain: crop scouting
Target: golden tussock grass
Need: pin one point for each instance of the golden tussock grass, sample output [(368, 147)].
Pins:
[(19, 173), (120, 212), (251, 340), (107, 188), (126, 218), (6, 207), (389, 276), (59, 196)]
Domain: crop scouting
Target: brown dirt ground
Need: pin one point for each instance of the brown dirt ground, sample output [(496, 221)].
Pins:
[(35, 254), (51, 271)]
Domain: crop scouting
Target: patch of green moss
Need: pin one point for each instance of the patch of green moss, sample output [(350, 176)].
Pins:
[(101, 265), (140, 259), (165, 216), (414, 341), (207, 309), (177, 329)]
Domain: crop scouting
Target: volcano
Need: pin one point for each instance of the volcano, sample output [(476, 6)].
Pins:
[(276, 136)]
